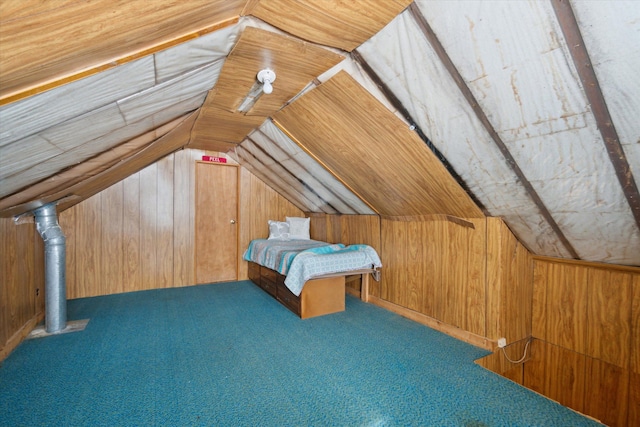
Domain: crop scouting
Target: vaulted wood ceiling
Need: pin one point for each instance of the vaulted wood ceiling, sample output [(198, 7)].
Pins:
[(524, 110)]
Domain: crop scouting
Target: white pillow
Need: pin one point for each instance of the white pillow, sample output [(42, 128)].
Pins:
[(298, 228), (278, 230)]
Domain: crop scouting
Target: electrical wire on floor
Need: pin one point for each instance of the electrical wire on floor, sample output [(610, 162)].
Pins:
[(524, 356)]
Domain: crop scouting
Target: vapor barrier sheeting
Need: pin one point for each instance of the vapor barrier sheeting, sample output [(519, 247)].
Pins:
[(62, 127), (513, 58)]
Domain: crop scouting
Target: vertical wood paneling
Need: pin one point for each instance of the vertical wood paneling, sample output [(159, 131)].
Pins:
[(436, 267), (634, 374), (88, 247), (476, 301), (183, 226), (67, 221), (21, 274), (132, 271), (334, 228), (606, 392), (435, 241), (609, 316), (633, 419), (498, 363), (539, 300), (567, 306), (148, 224), (245, 220), (318, 226), (414, 256), (431, 272), (635, 325), (360, 229), (587, 316), (556, 373), (111, 277), (510, 284), (564, 379), (258, 204), (164, 224)]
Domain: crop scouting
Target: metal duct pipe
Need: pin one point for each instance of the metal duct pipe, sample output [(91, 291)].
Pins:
[(55, 281)]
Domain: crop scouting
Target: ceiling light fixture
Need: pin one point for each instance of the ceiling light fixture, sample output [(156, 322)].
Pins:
[(267, 77)]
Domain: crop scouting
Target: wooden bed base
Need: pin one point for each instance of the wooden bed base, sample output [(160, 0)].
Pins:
[(318, 297)]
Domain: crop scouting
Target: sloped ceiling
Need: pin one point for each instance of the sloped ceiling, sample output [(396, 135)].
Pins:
[(523, 110)]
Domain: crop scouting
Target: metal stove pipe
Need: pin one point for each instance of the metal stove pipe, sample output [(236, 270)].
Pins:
[(55, 281)]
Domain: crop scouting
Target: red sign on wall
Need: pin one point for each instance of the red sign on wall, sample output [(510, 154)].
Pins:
[(214, 159)]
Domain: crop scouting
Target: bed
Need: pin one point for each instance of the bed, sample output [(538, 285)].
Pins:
[(308, 276)]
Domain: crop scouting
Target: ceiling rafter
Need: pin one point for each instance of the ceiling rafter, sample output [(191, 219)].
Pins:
[(591, 88), (475, 106), (397, 104)]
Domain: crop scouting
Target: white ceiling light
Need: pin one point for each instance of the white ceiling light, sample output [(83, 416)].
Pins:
[(267, 77)]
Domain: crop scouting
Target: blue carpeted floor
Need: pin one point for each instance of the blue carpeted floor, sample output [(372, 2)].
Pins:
[(230, 355)]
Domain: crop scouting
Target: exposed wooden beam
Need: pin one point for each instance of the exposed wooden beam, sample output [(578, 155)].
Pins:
[(591, 87), (475, 105), (397, 104)]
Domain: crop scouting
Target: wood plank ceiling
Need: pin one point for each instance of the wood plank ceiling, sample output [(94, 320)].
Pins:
[(394, 172)]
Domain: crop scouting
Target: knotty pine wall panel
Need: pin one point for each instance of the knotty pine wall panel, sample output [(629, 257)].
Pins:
[(21, 282)]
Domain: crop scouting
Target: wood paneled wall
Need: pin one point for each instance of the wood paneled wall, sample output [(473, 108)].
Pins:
[(349, 230), (509, 284), (21, 282), (139, 233), (258, 204), (436, 268), (587, 349)]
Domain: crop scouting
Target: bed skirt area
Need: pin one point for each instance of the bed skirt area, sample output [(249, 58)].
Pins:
[(318, 297)]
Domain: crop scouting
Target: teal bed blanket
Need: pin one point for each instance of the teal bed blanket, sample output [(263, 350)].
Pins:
[(302, 260)]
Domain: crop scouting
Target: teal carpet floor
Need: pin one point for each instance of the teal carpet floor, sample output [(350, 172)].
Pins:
[(230, 355)]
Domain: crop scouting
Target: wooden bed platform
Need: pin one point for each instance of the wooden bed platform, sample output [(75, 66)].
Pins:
[(319, 296)]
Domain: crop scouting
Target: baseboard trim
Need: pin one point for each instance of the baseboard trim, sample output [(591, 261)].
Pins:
[(462, 335), (20, 335)]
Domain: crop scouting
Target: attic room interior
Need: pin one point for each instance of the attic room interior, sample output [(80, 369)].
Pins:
[(488, 151)]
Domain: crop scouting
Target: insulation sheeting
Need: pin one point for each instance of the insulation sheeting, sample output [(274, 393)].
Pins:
[(34, 114), (71, 123), (308, 170), (512, 58), (611, 31), (408, 65)]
